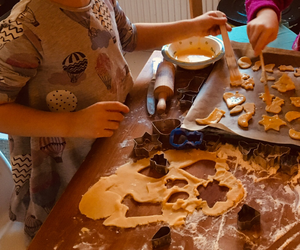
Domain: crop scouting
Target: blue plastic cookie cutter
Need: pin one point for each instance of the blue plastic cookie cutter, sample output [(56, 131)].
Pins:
[(181, 138)]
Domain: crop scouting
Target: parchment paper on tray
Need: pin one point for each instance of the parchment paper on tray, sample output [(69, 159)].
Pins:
[(211, 96)]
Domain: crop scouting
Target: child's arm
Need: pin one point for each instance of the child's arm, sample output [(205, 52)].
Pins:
[(154, 35), (263, 29), (263, 21), (99, 120)]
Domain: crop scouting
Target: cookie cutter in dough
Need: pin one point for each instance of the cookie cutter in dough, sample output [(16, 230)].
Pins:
[(160, 164), (248, 218), (182, 138), (147, 144), (193, 86), (269, 156), (289, 164), (164, 128), (247, 149), (162, 237)]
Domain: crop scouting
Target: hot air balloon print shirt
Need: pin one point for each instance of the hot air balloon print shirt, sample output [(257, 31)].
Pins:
[(58, 59)]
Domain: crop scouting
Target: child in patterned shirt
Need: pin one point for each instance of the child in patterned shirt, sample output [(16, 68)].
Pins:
[(63, 81)]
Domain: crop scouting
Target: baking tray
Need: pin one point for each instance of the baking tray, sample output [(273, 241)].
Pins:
[(211, 96)]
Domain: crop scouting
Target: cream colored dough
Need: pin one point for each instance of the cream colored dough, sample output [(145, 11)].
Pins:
[(104, 199)]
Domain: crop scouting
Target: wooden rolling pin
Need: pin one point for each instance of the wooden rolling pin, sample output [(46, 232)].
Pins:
[(164, 84)]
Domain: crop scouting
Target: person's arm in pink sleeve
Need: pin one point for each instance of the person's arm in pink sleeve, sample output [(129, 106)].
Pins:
[(263, 21)]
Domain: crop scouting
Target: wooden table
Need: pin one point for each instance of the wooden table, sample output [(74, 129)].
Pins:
[(63, 227)]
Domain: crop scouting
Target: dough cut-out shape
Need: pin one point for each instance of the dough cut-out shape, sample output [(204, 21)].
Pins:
[(245, 76), (297, 72), (244, 62), (286, 68), (284, 84), (214, 117), (243, 119), (248, 84), (104, 199), (294, 134), (269, 78), (236, 110), (269, 67), (263, 96), (249, 107), (295, 101), (233, 99), (271, 122), (256, 66), (275, 106), (292, 115)]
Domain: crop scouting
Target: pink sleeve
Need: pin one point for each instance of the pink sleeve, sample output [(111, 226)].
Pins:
[(253, 6)]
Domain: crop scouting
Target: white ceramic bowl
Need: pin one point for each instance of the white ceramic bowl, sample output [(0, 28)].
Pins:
[(195, 52)]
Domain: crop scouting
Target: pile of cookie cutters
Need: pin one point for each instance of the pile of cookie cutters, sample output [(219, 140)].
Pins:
[(269, 156), (167, 134)]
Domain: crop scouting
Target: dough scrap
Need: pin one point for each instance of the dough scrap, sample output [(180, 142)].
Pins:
[(284, 83), (256, 66), (275, 106), (286, 68), (294, 134), (214, 117), (292, 115), (271, 122), (244, 62), (104, 199), (232, 99), (295, 101)]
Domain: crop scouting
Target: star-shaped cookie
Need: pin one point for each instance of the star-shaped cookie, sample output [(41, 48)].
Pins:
[(271, 122)]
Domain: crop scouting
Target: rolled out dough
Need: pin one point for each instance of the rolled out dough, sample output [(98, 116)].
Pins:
[(104, 199)]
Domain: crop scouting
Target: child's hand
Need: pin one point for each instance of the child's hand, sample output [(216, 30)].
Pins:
[(262, 30), (99, 120), (209, 23)]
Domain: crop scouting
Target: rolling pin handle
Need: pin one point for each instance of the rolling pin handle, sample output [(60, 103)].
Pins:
[(161, 104)]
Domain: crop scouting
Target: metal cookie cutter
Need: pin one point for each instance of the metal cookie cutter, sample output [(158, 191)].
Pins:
[(160, 164), (247, 149), (193, 86), (248, 218), (289, 164), (164, 128), (146, 144), (162, 237), (268, 156), (210, 142), (187, 99), (182, 138)]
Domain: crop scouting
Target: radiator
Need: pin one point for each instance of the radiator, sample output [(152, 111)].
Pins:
[(161, 10)]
